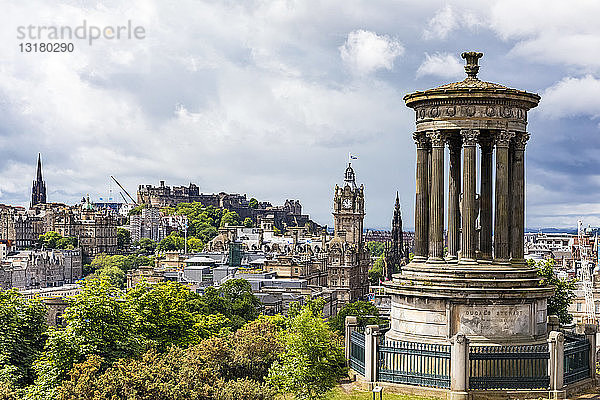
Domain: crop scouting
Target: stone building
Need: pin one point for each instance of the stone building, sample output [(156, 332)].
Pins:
[(98, 231), (95, 229), (288, 214), (348, 259), (40, 269), (20, 226), (149, 224)]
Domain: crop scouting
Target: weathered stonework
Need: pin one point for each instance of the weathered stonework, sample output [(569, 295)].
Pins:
[(482, 288)]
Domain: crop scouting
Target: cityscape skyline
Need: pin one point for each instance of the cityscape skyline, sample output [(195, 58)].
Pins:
[(270, 102)]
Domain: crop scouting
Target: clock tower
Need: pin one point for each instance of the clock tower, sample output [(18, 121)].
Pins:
[(348, 260), (349, 209)]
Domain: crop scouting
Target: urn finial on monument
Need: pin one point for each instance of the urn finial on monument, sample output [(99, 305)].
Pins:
[(472, 67)]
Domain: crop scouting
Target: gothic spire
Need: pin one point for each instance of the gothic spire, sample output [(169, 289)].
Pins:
[(38, 190), (39, 168)]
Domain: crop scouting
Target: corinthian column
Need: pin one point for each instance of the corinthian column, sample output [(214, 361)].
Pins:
[(469, 186), (501, 222), (422, 198), (436, 201), (454, 144), (518, 199), (485, 214)]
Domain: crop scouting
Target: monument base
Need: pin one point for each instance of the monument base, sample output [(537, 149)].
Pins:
[(491, 304)]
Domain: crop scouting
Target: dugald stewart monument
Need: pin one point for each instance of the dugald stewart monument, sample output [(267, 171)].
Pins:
[(471, 321), (482, 286)]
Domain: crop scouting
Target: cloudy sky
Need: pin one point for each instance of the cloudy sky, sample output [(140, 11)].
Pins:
[(269, 97)]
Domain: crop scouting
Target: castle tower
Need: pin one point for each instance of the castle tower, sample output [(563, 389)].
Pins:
[(349, 209), (38, 190)]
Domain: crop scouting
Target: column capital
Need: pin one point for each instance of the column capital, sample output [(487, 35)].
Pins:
[(469, 136), (520, 140), (421, 140), (436, 138), (502, 138)]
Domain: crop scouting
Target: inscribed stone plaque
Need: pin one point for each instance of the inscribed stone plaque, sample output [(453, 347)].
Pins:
[(499, 320)]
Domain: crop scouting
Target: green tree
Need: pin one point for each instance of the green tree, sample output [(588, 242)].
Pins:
[(97, 323), (166, 313), (253, 203), (234, 299), (113, 273), (376, 249), (366, 313), (248, 223), (145, 246), (197, 372), (105, 265), (123, 238), (313, 360), (22, 328), (314, 305), (376, 272), (243, 389), (230, 218), (7, 391), (53, 240), (257, 345), (195, 245), (171, 243), (564, 289), (244, 305)]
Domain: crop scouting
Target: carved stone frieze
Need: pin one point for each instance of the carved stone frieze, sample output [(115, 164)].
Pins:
[(470, 110)]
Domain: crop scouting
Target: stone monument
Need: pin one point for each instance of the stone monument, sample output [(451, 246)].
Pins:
[(482, 286)]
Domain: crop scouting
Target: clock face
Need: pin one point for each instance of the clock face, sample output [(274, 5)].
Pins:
[(347, 203)]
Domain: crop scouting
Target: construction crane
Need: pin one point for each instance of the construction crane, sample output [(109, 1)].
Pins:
[(121, 186), (123, 197), (586, 276)]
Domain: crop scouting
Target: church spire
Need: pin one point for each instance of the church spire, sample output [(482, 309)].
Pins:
[(396, 246), (39, 168), (38, 190)]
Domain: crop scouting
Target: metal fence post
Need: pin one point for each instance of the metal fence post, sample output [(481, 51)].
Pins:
[(371, 333), (459, 367), (556, 364), (351, 323), (590, 334)]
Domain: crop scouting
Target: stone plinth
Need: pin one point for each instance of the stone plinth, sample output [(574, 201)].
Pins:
[(491, 304)]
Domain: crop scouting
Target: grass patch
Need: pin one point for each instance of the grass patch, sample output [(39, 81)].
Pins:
[(338, 394)]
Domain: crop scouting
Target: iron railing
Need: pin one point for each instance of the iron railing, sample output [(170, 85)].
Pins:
[(420, 364), (357, 351), (577, 359), (509, 367)]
